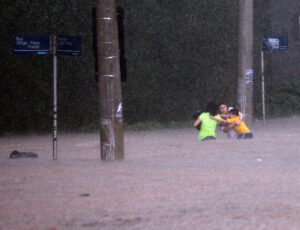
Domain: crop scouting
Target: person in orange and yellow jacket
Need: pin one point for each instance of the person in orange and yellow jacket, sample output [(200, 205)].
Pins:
[(234, 122)]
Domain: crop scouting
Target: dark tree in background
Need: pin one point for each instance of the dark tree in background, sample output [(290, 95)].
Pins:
[(180, 55)]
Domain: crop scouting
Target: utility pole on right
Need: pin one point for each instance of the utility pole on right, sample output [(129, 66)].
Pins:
[(245, 60)]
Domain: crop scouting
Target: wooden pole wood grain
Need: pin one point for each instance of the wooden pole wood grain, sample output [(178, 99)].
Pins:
[(109, 82), (245, 68)]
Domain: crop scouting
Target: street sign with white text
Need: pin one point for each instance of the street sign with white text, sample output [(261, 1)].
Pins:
[(35, 44), (69, 45), (275, 43)]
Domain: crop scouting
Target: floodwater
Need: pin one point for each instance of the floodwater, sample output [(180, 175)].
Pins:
[(168, 180)]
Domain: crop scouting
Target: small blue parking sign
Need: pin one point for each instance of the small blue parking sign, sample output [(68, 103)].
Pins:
[(35, 44), (68, 45)]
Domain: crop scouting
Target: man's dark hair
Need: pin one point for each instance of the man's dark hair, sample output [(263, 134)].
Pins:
[(221, 104), (212, 108), (234, 111)]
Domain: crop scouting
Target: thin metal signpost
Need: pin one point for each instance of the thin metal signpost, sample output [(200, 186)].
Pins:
[(263, 87), (61, 45), (54, 97)]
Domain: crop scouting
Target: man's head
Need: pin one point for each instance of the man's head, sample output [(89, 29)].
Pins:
[(223, 108), (233, 113)]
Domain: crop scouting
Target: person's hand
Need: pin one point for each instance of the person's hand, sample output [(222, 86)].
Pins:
[(231, 125)]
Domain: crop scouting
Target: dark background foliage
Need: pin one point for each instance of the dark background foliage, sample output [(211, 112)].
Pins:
[(180, 55)]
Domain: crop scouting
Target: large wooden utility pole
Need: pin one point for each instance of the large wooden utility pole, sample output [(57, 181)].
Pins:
[(111, 118), (245, 68)]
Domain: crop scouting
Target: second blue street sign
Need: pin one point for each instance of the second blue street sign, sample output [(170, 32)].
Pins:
[(68, 45)]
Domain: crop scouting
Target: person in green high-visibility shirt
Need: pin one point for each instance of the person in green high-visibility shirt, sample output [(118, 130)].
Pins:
[(208, 125)]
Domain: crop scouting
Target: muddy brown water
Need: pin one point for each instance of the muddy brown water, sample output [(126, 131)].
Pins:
[(168, 180)]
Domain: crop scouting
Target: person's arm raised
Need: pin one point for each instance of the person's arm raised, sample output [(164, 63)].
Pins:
[(225, 116), (218, 120)]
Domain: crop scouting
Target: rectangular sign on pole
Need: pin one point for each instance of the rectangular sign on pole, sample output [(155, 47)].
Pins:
[(275, 43), (60, 45), (69, 45), (35, 44)]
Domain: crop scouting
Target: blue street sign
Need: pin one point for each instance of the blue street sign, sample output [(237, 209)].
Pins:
[(68, 45), (275, 43), (31, 44)]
